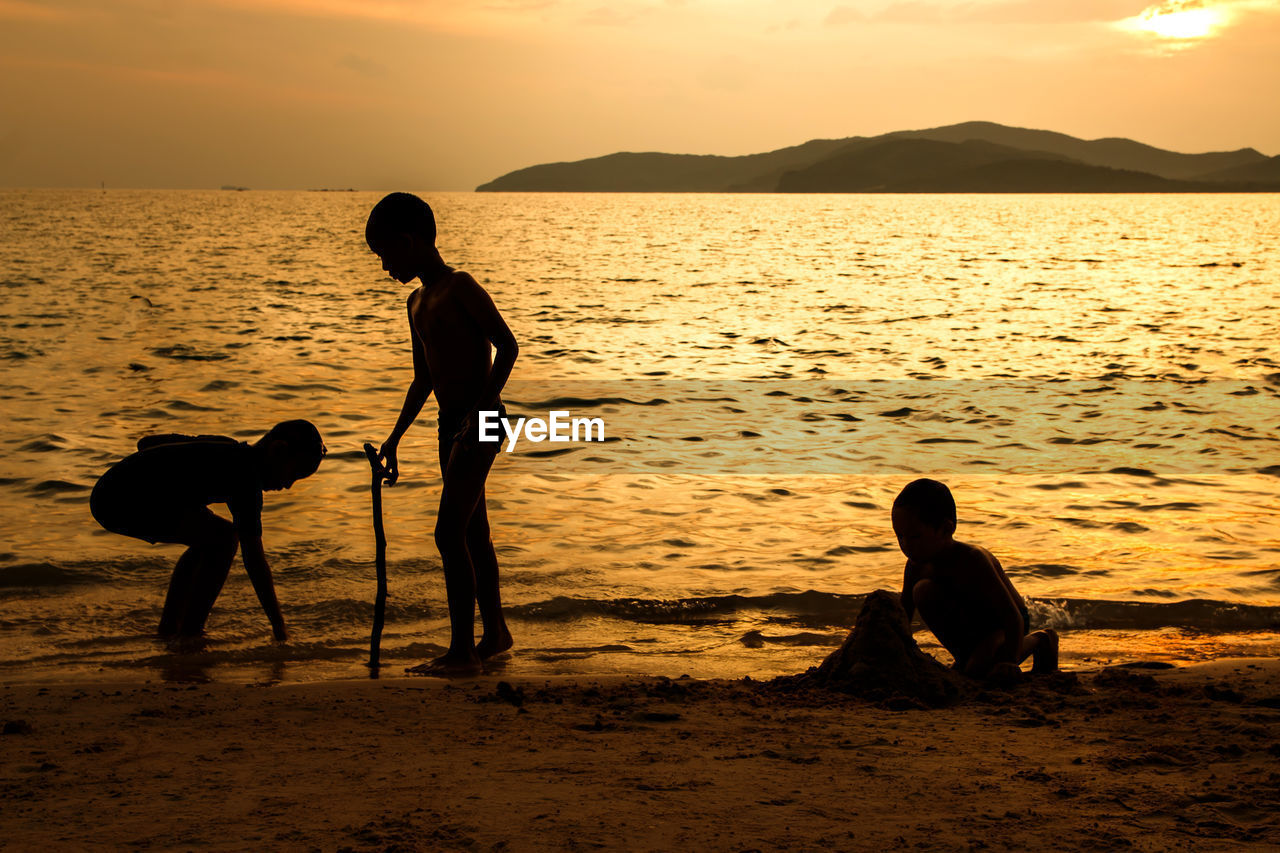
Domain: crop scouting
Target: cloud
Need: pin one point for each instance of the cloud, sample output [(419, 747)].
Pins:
[(362, 66), (1050, 11), (518, 5), (610, 16), (841, 15), (1180, 24), (1003, 12), (20, 10), (219, 81)]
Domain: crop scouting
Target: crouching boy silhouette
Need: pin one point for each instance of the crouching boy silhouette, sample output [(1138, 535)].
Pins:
[(162, 494), (452, 323), (961, 590)]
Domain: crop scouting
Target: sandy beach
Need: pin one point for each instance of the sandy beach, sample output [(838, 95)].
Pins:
[(1123, 757)]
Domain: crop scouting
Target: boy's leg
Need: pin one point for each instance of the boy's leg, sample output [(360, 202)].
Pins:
[(200, 573), (1042, 648), (175, 600), (465, 471), (945, 617), (484, 560)]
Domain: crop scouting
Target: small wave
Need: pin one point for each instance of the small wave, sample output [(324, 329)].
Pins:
[(53, 487), (835, 606), (582, 403), (351, 611), (757, 639), (1044, 570), (50, 575), (813, 609), (220, 385), (1134, 472), (183, 352), (50, 443), (1193, 614), (35, 575), (293, 651), (185, 406), (543, 454)]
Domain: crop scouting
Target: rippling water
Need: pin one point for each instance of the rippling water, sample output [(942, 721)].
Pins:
[(1095, 377)]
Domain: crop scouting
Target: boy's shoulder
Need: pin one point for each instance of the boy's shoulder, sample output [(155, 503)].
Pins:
[(963, 559), (459, 279), (198, 460), (174, 444), (446, 285)]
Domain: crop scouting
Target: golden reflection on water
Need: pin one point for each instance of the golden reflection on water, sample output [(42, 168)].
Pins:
[(1039, 342)]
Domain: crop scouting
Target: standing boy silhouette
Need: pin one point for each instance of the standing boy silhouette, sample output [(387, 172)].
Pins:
[(452, 323)]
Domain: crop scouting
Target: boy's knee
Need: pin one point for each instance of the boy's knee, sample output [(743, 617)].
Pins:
[(925, 593), (449, 535), (478, 534), (221, 535)]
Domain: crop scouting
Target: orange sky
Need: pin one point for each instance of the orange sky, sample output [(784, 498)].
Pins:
[(433, 94)]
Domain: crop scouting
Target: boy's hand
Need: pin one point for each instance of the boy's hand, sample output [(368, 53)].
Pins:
[(1004, 674), (387, 456), (469, 435)]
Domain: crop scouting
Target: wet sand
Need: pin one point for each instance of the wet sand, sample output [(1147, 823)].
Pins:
[(1147, 759)]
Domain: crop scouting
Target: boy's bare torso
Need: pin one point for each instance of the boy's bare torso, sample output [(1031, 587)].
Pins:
[(962, 569), (447, 336)]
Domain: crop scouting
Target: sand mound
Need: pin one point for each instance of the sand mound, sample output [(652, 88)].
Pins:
[(880, 661)]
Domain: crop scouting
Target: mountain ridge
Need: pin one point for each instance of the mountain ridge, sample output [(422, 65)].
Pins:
[(972, 156)]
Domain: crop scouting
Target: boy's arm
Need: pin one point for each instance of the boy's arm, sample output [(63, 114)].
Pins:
[(246, 513), (910, 575), (1005, 638), (255, 563), (414, 399), (1018, 602), (1013, 613), (505, 349)]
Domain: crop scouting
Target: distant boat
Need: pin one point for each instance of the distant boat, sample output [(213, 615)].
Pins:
[(234, 187)]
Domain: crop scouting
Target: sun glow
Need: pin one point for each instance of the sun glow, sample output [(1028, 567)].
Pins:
[(1179, 21)]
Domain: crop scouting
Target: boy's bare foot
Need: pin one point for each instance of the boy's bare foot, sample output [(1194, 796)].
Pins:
[(1004, 674), (493, 644), (1045, 657), (450, 665)]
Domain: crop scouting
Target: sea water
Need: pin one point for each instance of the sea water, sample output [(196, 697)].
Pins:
[(1095, 376)]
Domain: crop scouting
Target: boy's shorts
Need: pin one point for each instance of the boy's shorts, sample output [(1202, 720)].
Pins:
[(122, 506), (450, 433)]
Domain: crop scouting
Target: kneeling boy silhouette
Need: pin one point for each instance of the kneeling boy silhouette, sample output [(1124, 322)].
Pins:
[(452, 323), (162, 494), (962, 592)]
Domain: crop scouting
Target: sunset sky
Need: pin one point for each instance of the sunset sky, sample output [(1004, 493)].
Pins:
[(446, 94)]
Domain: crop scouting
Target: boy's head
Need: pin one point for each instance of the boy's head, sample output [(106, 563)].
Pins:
[(401, 230), (292, 450), (924, 519)]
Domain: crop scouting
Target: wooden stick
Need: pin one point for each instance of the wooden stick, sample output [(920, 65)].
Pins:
[(380, 544)]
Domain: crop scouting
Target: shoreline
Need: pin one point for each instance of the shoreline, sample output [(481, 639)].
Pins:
[(760, 654), (1125, 756)]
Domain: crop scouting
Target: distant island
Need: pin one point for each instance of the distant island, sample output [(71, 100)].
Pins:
[(973, 157)]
